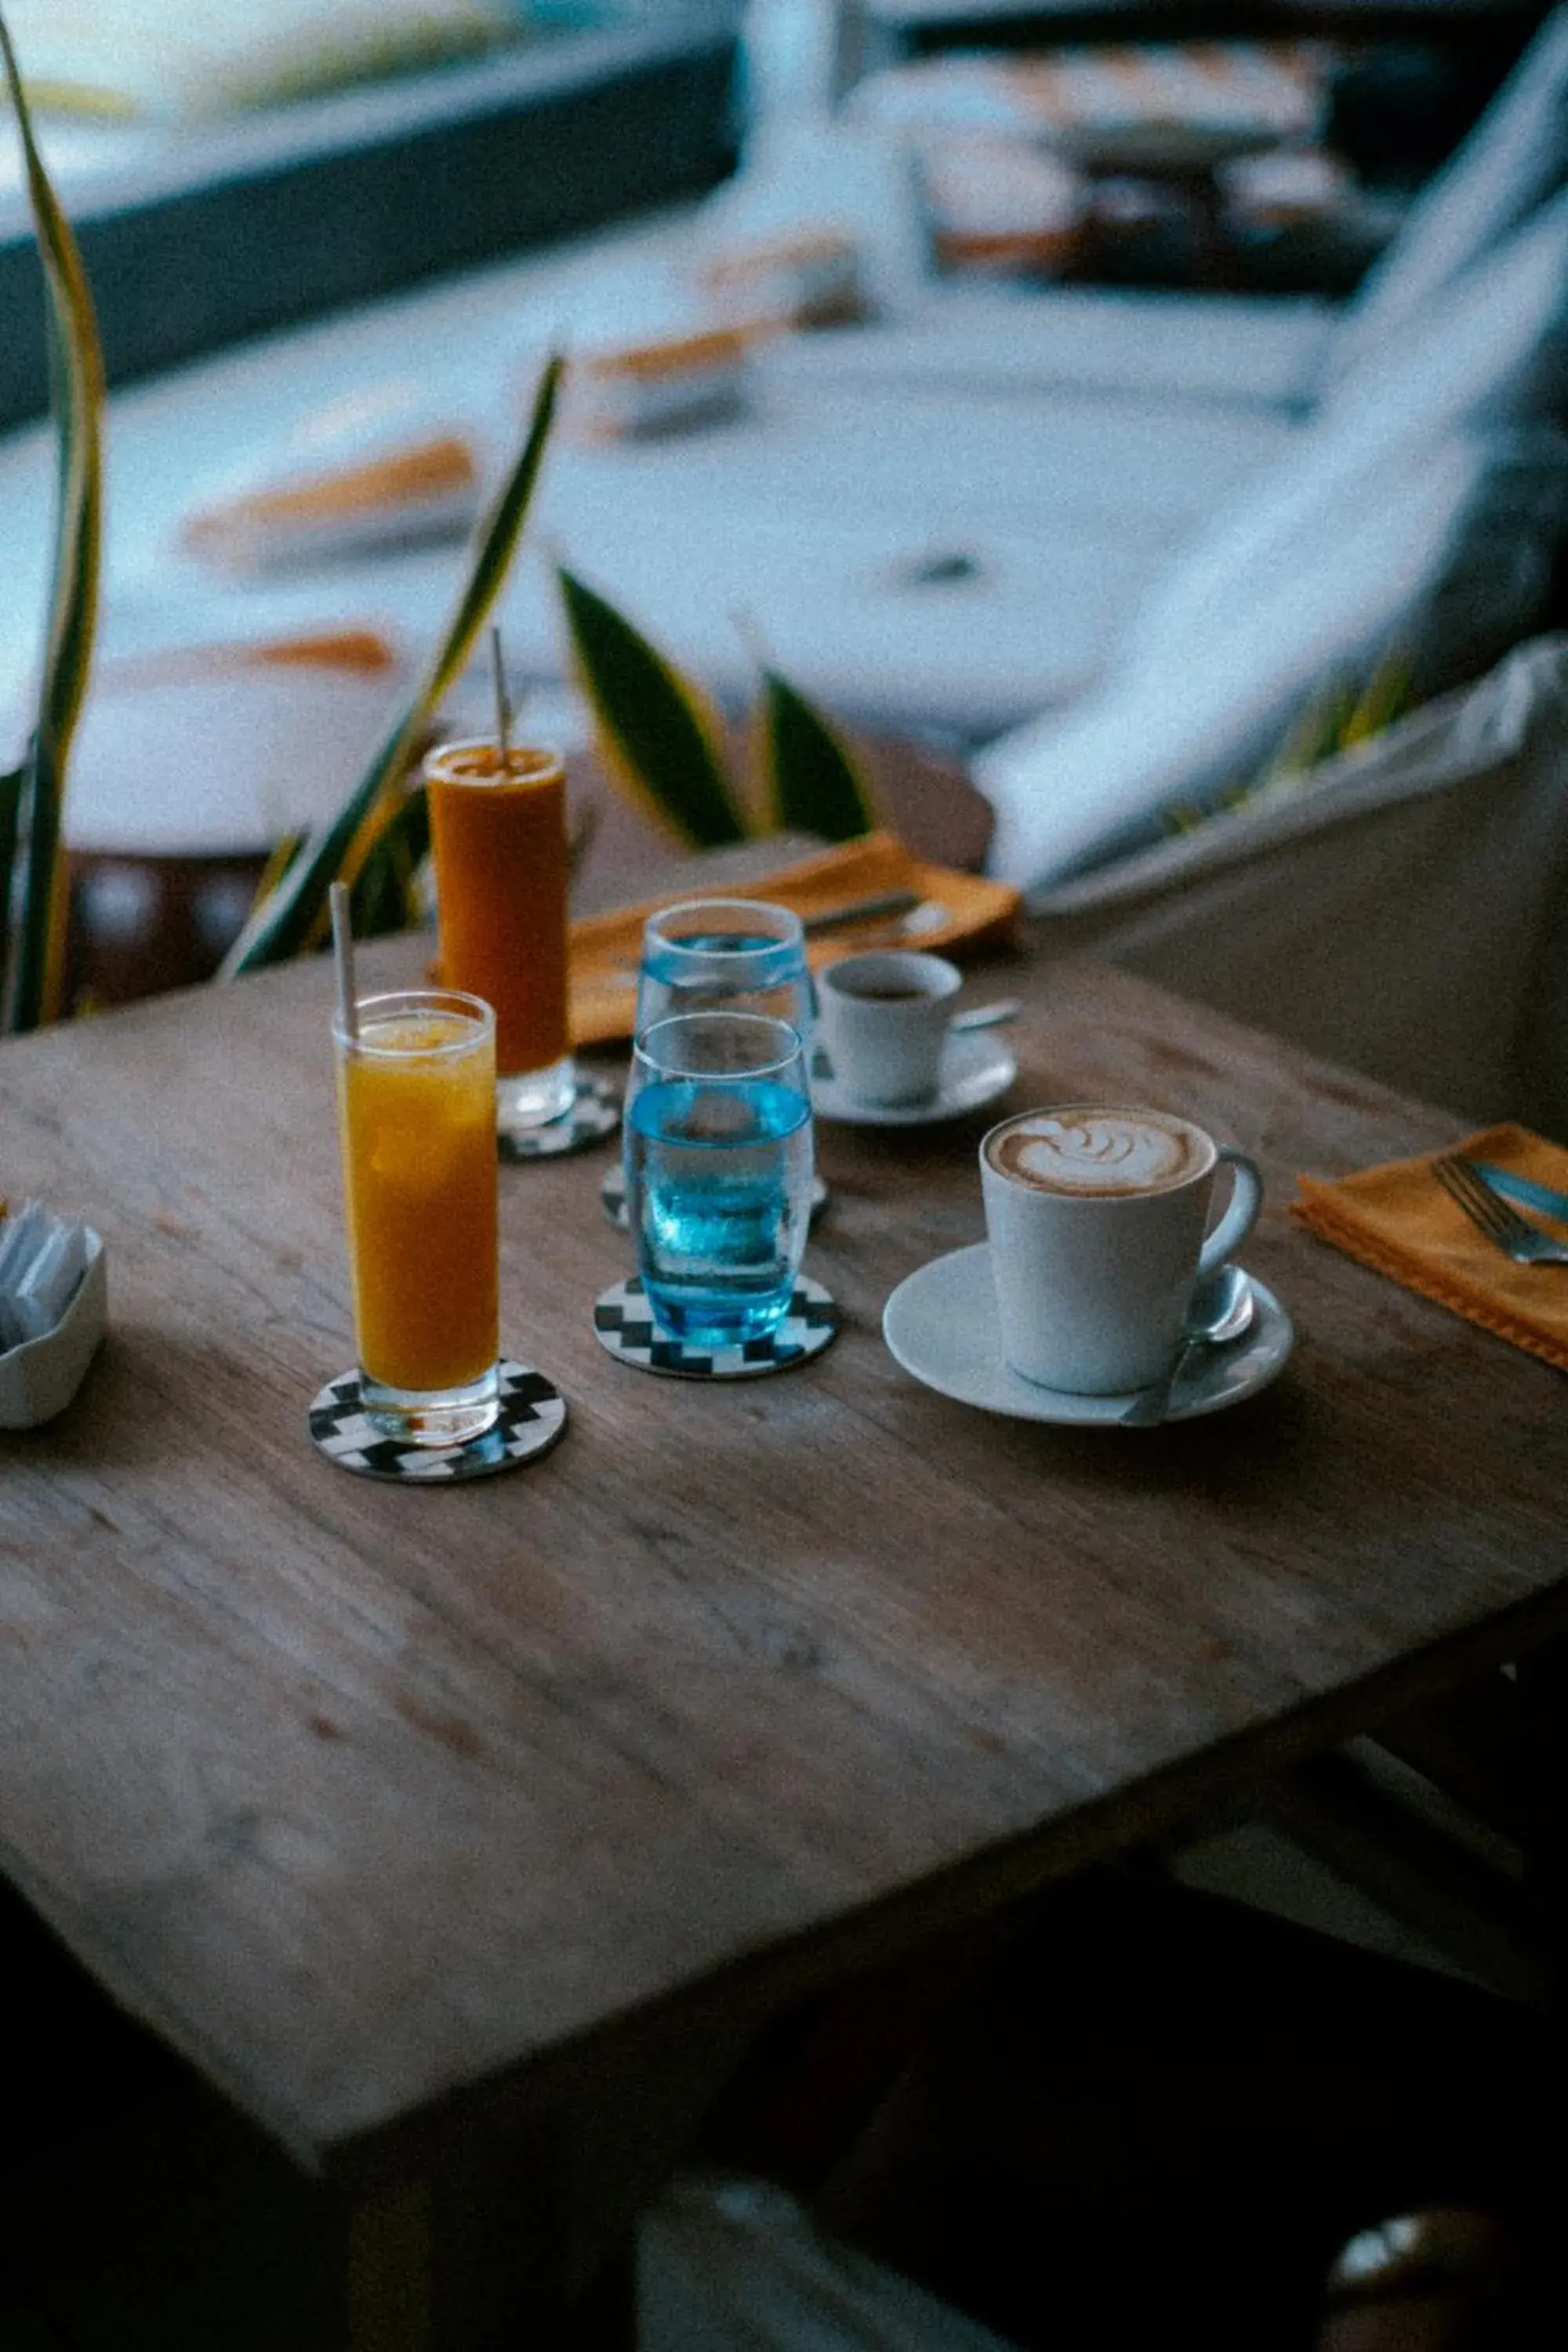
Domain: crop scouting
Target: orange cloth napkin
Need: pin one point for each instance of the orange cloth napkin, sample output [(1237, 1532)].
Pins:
[(1398, 1219), (605, 948)]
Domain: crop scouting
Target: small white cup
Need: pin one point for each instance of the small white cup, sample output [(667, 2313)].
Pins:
[(884, 1019), (1093, 1284)]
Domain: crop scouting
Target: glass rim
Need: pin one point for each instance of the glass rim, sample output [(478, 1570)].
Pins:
[(549, 754), (792, 935), (836, 977), (774, 1063), (475, 1010)]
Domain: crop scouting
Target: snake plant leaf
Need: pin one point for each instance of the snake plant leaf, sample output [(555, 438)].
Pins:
[(1384, 697), (385, 896), (657, 737), (76, 394), (813, 786), (296, 912)]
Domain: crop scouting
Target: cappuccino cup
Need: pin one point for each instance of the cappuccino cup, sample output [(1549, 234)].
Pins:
[(884, 1017), (1095, 1214)]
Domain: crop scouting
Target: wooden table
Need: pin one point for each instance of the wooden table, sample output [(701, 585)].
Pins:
[(417, 1820)]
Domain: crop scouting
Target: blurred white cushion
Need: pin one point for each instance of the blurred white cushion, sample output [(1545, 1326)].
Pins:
[(1514, 159), (925, 457), (1402, 911), (219, 751), (1496, 356), (1248, 349), (1317, 501), (1421, 558), (1492, 348), (956, 627), (908, 556), (207, 57)]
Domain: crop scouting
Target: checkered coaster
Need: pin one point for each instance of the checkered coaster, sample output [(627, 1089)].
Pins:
[(532, 1416), (624, 1324), (595, 1112)]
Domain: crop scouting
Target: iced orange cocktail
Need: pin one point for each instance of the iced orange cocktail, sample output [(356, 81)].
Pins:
[(498, 827), (416, 1104)]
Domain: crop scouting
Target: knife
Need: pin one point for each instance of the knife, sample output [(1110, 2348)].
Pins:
[(882, 907), (1523, 1190)]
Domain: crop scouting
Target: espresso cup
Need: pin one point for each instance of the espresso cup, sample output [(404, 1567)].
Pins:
[(1095, 1214), (884, 1017)]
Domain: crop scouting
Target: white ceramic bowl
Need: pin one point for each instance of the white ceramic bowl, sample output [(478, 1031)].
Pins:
[(39, 1379)]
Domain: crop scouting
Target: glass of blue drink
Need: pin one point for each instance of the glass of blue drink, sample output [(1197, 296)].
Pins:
[(736, 955), (718, 1162)]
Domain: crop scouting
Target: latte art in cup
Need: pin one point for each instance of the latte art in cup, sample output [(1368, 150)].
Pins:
[(1100, 1152)]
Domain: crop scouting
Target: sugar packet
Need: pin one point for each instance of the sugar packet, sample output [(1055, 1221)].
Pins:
[(42, 1260)]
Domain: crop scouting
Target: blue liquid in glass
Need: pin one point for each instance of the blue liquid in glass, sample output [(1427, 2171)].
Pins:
[(729, 943), (718, 1186)]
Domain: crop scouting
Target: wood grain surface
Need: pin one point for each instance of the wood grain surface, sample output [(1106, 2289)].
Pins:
[(383, 1806)]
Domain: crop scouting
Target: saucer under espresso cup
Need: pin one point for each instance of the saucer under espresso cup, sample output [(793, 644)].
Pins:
[(940, 1325), (1095, 1215), (884, 1019), (977, 1068)]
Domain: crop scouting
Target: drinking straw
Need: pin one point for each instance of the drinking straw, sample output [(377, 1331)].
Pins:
[(343, 956), (504, 703)]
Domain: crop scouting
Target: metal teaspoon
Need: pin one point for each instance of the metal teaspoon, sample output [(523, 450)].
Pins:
[(1221, 1311)]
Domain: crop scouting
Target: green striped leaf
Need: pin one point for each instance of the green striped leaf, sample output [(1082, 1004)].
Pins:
[(1312, 737), (655, 737), (385, 896), (297, 908), (76, 390), (1384, 697), (813, 784)]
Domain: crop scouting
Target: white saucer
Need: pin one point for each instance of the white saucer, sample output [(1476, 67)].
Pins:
[(940, 1325), (976, 1067)]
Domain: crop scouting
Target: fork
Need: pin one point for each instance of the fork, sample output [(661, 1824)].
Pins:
[(1514, 1234)]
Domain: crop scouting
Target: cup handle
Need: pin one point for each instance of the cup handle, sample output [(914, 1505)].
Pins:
[(1241, 1215)]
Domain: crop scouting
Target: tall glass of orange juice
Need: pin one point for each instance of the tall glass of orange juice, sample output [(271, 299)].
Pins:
[(416, 1105), (498, 826)]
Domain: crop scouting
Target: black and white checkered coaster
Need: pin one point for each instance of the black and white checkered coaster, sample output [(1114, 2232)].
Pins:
[(595, 1112), (624, 1324), (612, 1194), (532, 1416)]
